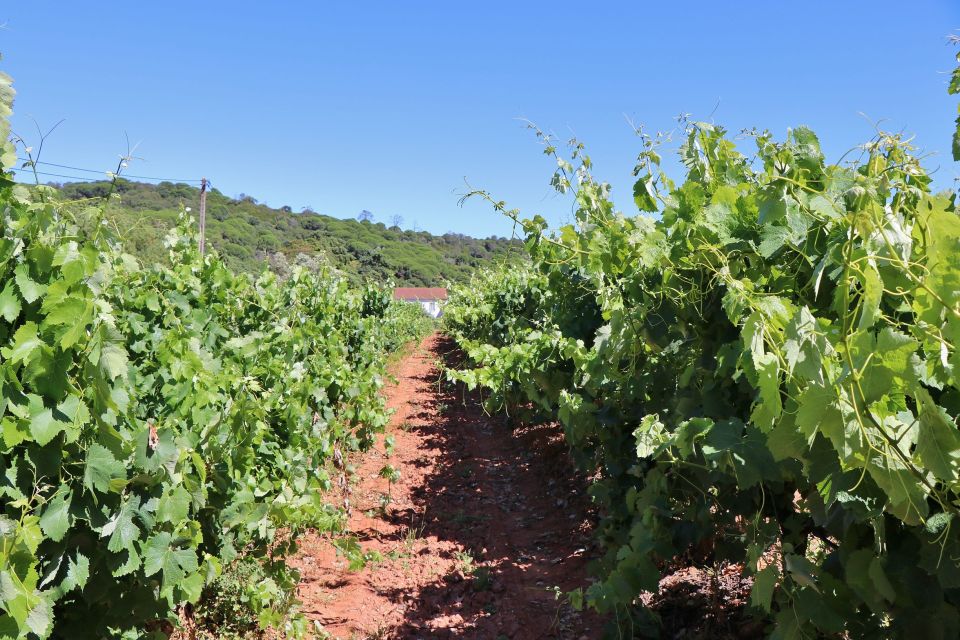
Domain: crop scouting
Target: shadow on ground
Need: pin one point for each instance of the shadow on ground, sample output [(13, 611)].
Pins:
[(487, 524), (512, 501)]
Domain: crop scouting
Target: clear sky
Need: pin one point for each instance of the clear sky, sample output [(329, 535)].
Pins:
[(389, 106)]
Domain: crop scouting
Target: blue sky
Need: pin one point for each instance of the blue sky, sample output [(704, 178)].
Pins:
[(389, 106)]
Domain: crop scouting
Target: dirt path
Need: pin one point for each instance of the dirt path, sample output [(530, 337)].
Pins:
[(484, 522)]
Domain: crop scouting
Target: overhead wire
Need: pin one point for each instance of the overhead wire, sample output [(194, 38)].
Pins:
[(59, 175), (97, 171)]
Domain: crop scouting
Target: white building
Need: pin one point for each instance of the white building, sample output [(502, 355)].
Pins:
[(430, 298)]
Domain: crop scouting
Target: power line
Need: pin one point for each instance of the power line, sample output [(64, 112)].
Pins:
[(62, 166), (103, 173), (56, 175)]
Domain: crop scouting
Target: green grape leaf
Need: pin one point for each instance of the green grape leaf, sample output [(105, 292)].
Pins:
[(102, 468), (125, 562), (113, 360), (29, 289), (55, 518), (872, 295), (78, 571), (880, 580), (9, 303), (26, 343), (938, 440), (907, 498), (121, 528), (72, 315), (191, 587), (769, 408), (764, 582), (644, 194), (40, 619), (43, 426), (174, 505), (801, 570), (174, 563), (649, 437)]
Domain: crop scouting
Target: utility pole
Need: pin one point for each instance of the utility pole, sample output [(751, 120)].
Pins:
[(203, 215)]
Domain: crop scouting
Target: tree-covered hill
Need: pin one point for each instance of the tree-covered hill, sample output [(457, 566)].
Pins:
[(250, 235)]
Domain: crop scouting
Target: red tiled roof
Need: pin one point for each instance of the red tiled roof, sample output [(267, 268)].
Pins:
[(419, 293)]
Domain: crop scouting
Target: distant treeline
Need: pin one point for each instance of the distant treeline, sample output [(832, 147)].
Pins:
[(250, 235)]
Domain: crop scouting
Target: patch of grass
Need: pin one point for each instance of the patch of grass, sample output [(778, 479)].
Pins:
[(379, 634), (465, 561), (461, 518), (409, 540), (412, 534), (397, 554), (482, 579)]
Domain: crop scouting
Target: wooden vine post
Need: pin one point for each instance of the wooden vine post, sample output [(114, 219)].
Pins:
[(203, 215)]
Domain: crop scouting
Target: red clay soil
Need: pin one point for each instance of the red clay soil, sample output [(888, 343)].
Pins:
[(484, 524)]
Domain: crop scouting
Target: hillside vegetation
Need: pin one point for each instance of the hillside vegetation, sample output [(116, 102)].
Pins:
[(250, 235)]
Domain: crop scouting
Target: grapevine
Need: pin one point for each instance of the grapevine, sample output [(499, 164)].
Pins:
[(759, 368), (159, 421)]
